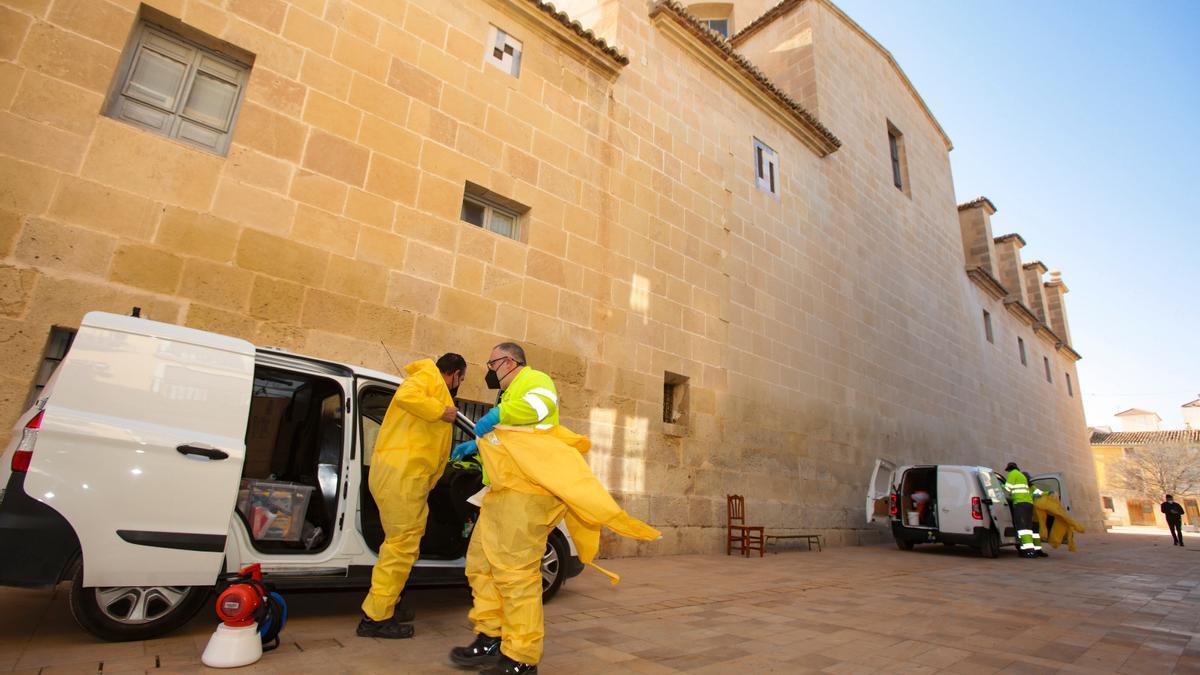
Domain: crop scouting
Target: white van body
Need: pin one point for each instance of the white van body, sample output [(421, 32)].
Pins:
[(130, 465), (965, 504)]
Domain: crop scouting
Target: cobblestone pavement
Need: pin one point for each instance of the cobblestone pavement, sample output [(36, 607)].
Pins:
[(1123, 603)]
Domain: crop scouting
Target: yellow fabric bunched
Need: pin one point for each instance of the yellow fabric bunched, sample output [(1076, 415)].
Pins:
[(1065, 526), (551, 462)]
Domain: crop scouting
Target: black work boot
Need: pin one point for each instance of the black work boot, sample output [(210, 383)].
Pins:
[(484, 651), (507, 666), (390, 629), (1041, 554), (1028, 553)]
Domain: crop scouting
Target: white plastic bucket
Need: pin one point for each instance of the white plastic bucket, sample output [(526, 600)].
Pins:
[(914, 519)]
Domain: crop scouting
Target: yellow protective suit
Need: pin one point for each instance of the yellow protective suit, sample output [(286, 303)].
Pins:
[(538, 476), (1065, 526), (410, 455)]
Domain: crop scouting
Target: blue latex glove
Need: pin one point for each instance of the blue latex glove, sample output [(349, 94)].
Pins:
[(487, 422), (463, 450)]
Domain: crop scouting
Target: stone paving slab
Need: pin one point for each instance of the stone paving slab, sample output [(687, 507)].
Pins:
[(1123, 604)]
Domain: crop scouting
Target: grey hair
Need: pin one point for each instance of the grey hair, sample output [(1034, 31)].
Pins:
[(513, 350)]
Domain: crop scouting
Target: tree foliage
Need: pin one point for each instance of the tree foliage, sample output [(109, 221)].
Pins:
[(1159, 469)]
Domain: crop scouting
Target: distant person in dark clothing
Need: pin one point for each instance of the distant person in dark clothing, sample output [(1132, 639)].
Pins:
[(1174, 513)]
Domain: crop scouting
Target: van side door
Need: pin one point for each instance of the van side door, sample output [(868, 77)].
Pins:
[(879, 489), (1053, 482), (141, 448)]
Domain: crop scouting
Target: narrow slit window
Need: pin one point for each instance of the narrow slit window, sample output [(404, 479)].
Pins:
[(987, 326), (766, 163), (899, 159), (1046, 363), (1070, 389), (1021, 350)]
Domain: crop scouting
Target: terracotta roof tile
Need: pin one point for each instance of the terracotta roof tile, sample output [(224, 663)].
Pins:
[(714, 40), (611, 51), (977, 202), (1145, 437)]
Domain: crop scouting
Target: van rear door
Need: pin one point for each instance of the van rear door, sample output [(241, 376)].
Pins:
[(954, 492), (141, 448), (1053, 482), (878, 490)]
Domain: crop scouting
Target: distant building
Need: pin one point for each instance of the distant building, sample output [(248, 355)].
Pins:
[(1140, 430)]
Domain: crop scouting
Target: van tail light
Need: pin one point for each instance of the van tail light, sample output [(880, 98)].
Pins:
[(976, 508), (24, 454), (893, 507)]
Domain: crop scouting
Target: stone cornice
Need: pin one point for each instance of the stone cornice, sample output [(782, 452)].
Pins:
[(1066, 348), (788, 5), (979, 201), (674, 22), (990, 284), (1019, 310), (583, 44)]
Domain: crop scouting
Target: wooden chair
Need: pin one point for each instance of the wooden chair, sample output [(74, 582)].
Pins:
[(746, 537)]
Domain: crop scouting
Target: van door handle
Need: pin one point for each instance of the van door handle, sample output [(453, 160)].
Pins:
[(201, 451)]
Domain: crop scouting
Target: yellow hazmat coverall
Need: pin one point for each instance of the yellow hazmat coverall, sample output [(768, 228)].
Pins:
[(537, 477), (1065, 526), (410, 455)]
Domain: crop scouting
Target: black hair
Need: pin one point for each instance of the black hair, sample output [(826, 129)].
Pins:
[(513, 350), (1170, 497), (1011, 466), (451, 363)]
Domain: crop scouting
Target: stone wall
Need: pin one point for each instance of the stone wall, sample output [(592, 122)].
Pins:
[(818, 329)]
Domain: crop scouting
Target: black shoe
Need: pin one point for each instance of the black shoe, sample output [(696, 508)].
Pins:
[(403, 615), (389, 629), (1041, 554), (1028, 554), (507, 666), (484, 651)]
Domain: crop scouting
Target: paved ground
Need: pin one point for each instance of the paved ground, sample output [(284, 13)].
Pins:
[(1124, 603)]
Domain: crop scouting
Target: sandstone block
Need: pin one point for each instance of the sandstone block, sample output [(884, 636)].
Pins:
[(325, 75), (122, 214), (281, 258), (57, 103), (381, 247), (146, 267), (54, 52), (49, 244), (216, 284), (357, 279), (253, 207), (276, 92), (16, 288), (426, 262), (197, 234), (336, 158), (276, 300), (329, 114), (378, 212), (270, 132), (320, 191), (40, 144), (329, 311), (411, 294), (220, 321)]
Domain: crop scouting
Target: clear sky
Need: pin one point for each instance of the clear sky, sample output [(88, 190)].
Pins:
[(1081, 122)]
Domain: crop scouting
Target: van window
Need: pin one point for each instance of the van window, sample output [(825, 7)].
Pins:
[(295, 435)]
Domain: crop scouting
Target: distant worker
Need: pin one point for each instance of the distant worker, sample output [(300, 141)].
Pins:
[(410, 455), (1174, 513), (1017, 486)]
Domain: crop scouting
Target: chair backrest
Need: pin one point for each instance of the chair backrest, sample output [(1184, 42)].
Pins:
[(736, 509)]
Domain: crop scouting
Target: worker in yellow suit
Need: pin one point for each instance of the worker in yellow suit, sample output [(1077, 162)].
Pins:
[(1064, 528), (409, 457), (536, 476)]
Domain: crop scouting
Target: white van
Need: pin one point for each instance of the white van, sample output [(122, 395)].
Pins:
[(948, 504), (160, 456)]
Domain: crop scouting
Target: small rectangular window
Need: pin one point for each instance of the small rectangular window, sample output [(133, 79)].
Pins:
[(766, 172), (1021, 350), (987, 326), (899, 158), (178, 88), (1070, 389), (719, 25), (675, 398), (484, 208), (503, 51), (1130, 453), (1046, 363), (1108, 504), (56, 350)]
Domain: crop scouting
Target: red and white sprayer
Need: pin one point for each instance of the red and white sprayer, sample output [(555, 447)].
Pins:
[(251, 614)]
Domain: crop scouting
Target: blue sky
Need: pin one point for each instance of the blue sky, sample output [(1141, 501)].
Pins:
[(1081, 121)]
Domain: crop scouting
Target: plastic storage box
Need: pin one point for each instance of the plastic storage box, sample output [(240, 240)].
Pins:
[(274, 510)]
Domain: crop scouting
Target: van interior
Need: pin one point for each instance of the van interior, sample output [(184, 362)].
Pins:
[(447, 529), (918, 497), (294, 438)]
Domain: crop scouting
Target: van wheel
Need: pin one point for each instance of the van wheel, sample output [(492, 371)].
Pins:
[(990, 548), (554, 570), (904, 544), (126, 613)]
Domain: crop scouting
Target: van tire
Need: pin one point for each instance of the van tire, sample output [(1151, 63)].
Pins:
[(990, 548), (904, 544), (172, 606), (554, 564)]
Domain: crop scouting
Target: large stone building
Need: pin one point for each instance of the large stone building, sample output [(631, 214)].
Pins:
[(741, 259)]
